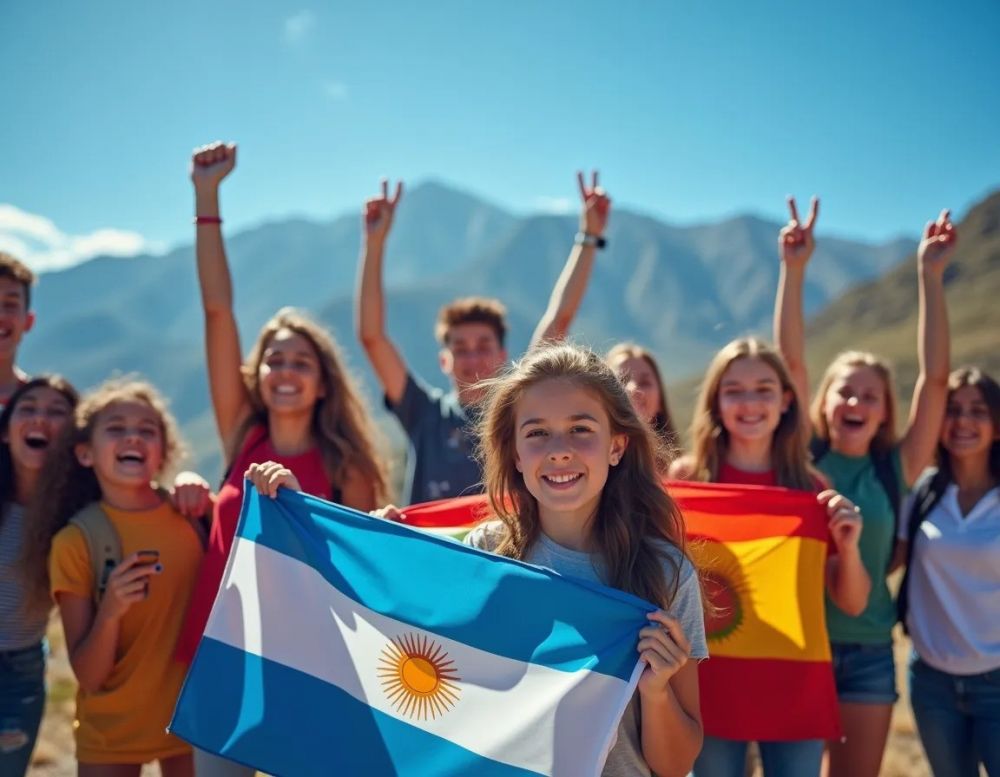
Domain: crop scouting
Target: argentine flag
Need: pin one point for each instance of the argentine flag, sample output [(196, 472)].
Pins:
[(345, 644)]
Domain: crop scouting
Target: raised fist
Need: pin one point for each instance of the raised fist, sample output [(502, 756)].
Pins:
[(211, 163), (938, 243)]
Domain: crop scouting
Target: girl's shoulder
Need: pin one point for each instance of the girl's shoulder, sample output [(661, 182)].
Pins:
[(487, 535)]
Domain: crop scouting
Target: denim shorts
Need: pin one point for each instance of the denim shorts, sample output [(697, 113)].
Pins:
[(865, 674)]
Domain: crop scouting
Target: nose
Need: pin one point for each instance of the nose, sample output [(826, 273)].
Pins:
[(558, 449)]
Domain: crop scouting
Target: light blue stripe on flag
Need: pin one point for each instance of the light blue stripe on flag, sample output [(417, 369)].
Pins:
[(335, 634)]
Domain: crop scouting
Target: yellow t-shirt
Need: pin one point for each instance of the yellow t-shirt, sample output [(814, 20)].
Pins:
[(125, 722)]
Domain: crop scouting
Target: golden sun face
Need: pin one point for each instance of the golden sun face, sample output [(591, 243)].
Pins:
[(417, 677)]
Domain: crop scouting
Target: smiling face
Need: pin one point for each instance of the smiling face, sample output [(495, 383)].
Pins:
[(15, 319), (290, 378), (564, 448), (751, 399), (854, 408), (36, 419), (968, 431), (126, 446), (472, 353), (641, 384)]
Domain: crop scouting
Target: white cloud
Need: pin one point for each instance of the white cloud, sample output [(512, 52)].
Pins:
[(298, 26), (558, 205), (335, 90), (40, 244)]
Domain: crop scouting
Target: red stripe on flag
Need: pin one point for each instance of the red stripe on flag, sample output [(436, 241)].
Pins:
[(768, 700), (460, 511)]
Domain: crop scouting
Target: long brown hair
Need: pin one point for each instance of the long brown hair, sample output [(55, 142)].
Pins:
[(662, 422), (8, 485), (65, 486), (635, 516), (990, 392), (710, 440), (885, 437), (340, 423)]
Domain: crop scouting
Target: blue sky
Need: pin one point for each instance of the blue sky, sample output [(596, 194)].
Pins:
[(692, 111)]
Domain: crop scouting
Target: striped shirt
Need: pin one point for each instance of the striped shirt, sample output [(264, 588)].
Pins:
[(19, 628)]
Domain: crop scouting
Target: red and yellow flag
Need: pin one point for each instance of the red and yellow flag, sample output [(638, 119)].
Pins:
[(762, 554)]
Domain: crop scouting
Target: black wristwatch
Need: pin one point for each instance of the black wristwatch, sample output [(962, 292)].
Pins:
[(587, 239)]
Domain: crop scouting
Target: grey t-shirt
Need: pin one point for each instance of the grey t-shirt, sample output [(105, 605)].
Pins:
[(440, 461), (625, 758), (19, 628)]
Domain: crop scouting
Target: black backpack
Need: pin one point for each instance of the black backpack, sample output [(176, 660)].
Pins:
[(884, 471), (926, 494)]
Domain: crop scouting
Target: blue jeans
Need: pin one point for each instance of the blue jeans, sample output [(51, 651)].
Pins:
[(958, 718), (865, 674), (22, 701), (728, 757)]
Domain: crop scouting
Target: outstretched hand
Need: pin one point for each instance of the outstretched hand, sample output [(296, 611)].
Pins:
[(938, 244), (211, 163), (595, 205), (380, 210), (795, 241)]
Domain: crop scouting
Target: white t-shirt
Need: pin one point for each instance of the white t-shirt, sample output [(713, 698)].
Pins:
[(954, 594)]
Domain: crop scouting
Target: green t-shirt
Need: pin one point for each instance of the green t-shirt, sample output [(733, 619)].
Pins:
[(855, 478)]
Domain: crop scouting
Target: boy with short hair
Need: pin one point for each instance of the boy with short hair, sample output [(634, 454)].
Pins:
[(16, 318)]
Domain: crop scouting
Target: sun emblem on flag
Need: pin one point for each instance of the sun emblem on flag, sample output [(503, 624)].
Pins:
[(725, 587), (417, 677)]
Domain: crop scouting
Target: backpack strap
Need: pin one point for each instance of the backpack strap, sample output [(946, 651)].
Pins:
[(103, 544), (927, 493), (887, 477)]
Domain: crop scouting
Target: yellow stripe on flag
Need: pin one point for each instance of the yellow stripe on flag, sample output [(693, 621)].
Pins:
[(768, 595)]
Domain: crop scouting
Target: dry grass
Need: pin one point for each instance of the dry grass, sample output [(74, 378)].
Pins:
[(54, 753)]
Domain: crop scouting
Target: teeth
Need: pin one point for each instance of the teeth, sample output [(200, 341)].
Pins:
[(285, 390), (561, 478)]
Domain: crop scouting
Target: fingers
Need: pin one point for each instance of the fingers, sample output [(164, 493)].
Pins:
[(385, 189), (593, 180), (398, 195), (269, 476), (582, 185), (792, 210), (813, 212), (389, 513), (131, 569), (672, 627)]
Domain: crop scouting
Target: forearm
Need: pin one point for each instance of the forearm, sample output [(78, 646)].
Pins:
[(213, 269), (93, 657), (789, 319), (671, 738), (371, 296), (848, 582), (566, 295), (933, 346)]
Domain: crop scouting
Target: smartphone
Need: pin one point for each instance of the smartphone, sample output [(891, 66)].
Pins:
[(148, 558)]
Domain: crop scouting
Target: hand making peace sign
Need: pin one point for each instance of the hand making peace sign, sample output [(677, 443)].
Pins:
[(595, 206), (380, 210), (795, 241)]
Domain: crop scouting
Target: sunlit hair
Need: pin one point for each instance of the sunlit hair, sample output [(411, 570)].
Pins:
[(13, 268), (662, 422), (885, 437), (710, 440), (65, 486), (340, 422), (8, 482), (472, 310), (989, 390), (635, 516)]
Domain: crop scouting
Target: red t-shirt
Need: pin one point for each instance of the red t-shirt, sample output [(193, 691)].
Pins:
[(308, 468)]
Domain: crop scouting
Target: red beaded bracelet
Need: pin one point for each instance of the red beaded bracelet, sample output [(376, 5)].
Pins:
[(207, 220)]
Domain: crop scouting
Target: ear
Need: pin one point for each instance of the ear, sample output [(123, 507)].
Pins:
[(446, 362), (619, 442), (84, 454), (517, 463), (786, 400), (29, 321)]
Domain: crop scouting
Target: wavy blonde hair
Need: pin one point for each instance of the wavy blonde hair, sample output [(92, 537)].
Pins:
[(710, 440), (634, 516), (65, 486), (341, 423), (885, 438)]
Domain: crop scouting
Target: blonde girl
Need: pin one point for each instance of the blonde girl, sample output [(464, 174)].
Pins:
[(855, 445), (29, 424), (748, 429), (120, 444)]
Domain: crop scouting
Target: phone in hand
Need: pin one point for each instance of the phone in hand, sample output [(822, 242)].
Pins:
[(148, 558)]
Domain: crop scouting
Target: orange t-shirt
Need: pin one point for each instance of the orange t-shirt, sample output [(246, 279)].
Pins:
[(126, 721)]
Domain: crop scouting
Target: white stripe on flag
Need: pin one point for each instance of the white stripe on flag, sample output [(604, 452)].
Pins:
[(518, 713)]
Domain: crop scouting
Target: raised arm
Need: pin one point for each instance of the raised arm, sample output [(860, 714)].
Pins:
[(230, 401), (370, 305), (795, 246), (930, 394), (568, 292)]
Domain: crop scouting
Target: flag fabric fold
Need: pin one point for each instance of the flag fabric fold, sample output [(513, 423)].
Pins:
[(345, 644), (762, 555)]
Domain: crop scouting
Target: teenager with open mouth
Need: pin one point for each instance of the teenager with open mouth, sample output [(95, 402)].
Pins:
[(856, 447), (33, 417)]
